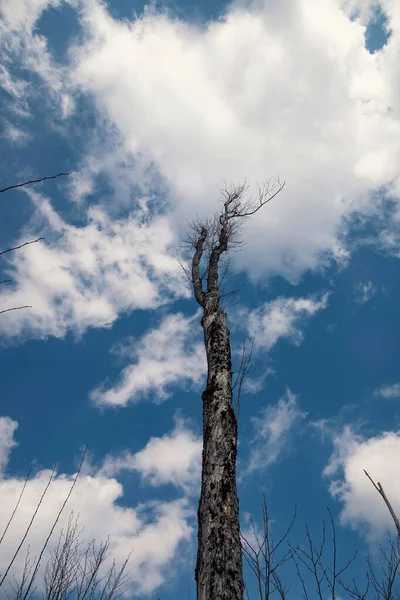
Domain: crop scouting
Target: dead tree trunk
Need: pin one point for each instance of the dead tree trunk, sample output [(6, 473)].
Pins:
[(219, 557)]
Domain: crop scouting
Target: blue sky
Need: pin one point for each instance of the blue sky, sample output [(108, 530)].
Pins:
[(151, 110)]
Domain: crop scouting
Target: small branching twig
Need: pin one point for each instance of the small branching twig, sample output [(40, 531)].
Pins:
[(244, 370), (262, 557), (312, 560)]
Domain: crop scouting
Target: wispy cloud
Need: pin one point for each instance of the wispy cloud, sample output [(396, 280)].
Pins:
[(388, 391), (282, 318), (166, 356), (86, 276), (272, 431), (364, 292)]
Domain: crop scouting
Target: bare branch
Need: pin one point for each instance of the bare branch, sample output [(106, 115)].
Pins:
[(244, 369), (196, 277), (15, 308), (11, 187), (222, 233), (262, 558), (265, 196), (54, 524), (71, 573), (19, 588), (16, 506), (29, 526), (21, 246), (18, 185), (381, 491)]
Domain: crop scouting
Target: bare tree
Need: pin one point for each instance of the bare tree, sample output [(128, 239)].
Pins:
[(262, 556), (2, 252), (70, 571), (326, 575), (37, 564), (320, 572), (219, 557), (74, 572)]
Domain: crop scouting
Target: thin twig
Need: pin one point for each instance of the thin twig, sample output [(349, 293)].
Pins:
[(16, 506), (18, 185), (245, 365), (15, 308), (20, 246), (54, 524), (29, 526)]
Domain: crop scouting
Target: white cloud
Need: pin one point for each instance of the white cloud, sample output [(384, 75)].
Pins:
[(7, 442), (163, 357), (253, 385), (154, 531), (223, 101), (388, 391), (272, 431), (21, 15), (364, 292), (173, 458), (226, 100), (86, 276), (15, 135), (282, 318), (21, 45), (363, 508)]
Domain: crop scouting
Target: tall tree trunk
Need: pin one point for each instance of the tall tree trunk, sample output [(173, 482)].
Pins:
[(219, 557)]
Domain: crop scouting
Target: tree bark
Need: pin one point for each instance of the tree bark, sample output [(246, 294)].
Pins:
[(219, 558), (219, 566)]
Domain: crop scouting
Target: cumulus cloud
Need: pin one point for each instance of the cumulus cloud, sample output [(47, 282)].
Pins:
[(163, 357), (85, 276), (173, 458), (272, 430), (154, 531), (209, 93), (282, 318), (388, 391), (363, 508)]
